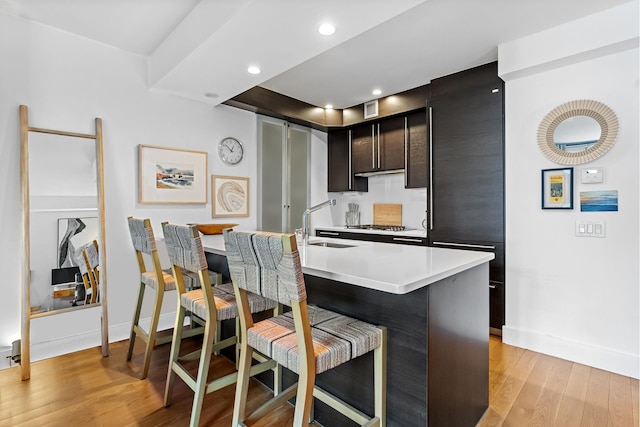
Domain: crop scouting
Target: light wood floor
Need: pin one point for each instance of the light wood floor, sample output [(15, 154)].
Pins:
[(526, 389), (532, 389)]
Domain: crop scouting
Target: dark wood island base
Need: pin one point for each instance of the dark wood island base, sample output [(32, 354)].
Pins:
[(438, 350)]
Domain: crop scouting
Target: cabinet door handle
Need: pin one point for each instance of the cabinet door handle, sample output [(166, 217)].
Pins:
[(373, 146), (431, 168), (406, 154), (492, 285), (350, 165), (465, 245), (379, 146), (407, 239), (328, 233)]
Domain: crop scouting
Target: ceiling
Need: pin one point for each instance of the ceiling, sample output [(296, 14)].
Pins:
[(198, 47)]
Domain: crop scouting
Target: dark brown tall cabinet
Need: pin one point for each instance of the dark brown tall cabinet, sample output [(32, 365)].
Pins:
[(465, 206)]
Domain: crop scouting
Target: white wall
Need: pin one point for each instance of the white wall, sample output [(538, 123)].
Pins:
[(572, 297), (66, 82)]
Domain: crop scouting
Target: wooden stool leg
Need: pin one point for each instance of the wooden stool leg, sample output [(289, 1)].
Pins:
[(380, 379), (242, 385), (238, 342), (277, 380), (203, 372), (136, 319), (175, 353), (151, 334), (304, 397), (218, 336), (277, 371)]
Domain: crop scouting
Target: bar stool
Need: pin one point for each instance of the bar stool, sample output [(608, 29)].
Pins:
[(210, 304), (307, 340), (144, 242)]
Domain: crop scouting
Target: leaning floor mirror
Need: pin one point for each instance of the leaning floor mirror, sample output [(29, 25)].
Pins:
[(64, 262)]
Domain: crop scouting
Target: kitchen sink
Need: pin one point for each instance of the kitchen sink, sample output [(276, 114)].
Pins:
[(331, 245)]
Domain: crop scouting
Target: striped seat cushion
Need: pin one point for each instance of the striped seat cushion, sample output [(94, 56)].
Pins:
[(191, 280), (226, 305), (150, 279), (225, 301), (336, 339)]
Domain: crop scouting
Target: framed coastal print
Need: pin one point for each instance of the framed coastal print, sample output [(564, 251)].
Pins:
[(599, 201), (557, 188), (229, 196), (172, 175)]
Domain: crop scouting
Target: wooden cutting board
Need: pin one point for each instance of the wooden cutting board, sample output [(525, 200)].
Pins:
[(387, 214)]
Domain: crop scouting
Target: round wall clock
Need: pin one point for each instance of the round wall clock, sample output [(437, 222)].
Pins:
[(230, 151)]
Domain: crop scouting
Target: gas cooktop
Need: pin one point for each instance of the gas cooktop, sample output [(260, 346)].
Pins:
[(378, 227)]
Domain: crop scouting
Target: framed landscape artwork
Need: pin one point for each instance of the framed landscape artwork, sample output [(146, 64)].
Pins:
[(229, 196), (171, 175), (599, 201)]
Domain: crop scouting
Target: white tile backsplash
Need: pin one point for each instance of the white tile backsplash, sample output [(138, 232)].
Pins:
[(383, 189)]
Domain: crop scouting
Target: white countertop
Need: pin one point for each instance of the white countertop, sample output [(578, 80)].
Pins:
[(397, 269)]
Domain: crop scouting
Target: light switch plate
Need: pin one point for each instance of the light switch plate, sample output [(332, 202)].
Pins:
[(591, 175), (590, 228)]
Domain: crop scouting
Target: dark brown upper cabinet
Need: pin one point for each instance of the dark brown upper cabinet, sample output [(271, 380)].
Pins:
[(379, 146), (415, 173), (340, 175)]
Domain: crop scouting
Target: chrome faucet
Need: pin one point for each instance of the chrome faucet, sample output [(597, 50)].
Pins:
[(305, 218)]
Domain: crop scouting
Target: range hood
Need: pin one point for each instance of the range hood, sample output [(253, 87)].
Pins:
[(387, 172)]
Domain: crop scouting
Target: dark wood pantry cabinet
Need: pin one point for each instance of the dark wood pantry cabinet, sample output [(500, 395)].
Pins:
[(466, 180)]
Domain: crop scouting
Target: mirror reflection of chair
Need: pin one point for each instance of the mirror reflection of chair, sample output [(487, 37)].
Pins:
[(93, 262), (87, 260), (308, 340), (209, 303), (155, 278)]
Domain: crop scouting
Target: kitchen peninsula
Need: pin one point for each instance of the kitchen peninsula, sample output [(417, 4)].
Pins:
[(435, 305)]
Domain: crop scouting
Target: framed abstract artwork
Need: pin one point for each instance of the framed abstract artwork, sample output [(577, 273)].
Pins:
[(171, 175), (229, 196)]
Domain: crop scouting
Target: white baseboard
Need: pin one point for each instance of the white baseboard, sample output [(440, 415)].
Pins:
[(70, 344), (5, 355), (607, 359)]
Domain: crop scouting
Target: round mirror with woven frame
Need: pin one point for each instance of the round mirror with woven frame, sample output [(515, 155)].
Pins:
[(598, 111)]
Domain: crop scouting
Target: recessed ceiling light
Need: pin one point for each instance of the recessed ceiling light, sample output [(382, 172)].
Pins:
[(254, 70), (376, 92), (326, 29), (328, 107)]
